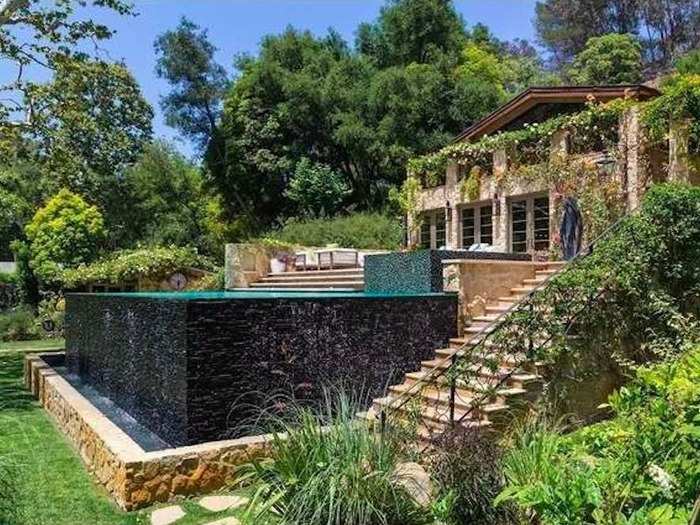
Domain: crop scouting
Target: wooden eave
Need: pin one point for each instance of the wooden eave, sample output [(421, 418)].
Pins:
[(534, 96)]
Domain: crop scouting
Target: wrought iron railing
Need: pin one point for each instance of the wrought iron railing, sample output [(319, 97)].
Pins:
[(543, 318)]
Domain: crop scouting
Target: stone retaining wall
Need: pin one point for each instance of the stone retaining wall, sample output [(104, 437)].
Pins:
[(133, 477)]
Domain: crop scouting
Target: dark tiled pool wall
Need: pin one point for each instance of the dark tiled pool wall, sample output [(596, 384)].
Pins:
[(135, 353), (209, 353), (419, 271)]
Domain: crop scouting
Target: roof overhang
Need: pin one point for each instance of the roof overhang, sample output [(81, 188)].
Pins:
[(534, 96)]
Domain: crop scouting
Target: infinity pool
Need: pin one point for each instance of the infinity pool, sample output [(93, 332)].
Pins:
[(183, 364)]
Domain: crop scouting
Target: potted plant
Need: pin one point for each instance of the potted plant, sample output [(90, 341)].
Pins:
[(281, 254)]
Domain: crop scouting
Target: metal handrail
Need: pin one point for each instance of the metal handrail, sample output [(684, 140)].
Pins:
[(488, 331)]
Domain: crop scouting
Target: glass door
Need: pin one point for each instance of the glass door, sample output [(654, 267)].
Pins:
[(529, 224)]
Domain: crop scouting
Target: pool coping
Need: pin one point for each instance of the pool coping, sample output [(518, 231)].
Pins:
[(133, 477)]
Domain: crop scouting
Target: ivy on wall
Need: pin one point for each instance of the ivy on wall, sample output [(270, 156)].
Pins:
[(592, 129)]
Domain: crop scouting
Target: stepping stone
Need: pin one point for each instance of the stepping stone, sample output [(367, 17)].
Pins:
[(225, 521), (221, 503), (167, 515)]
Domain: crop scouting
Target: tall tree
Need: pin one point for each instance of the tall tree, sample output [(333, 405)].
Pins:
[(34, 33), (186, 61), (608, 59), (91, 122), (665, 28), (412, 31)]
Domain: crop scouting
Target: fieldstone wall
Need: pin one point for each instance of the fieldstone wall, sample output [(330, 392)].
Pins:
[(133, 477)]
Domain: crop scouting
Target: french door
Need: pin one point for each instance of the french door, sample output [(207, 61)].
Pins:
[(477, 225), (433, 229), (529, 224)]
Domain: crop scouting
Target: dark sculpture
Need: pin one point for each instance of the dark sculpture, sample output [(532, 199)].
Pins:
[(571, 230)]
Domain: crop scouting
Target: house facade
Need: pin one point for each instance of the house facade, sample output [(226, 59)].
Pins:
[(520, 216)]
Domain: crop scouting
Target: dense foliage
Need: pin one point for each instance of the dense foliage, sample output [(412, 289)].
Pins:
[(316, 189), (38, 35), (646, 277), (186, 61), (18, 325), (126, 266), (466, 467), (415, 78), (358, 230), (329, 470), (608, 59), (65, 233), (638, 468), (666, 28)]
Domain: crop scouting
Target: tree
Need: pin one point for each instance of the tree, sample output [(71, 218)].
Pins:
[(412, 31), (186, 61), (91, 123), (65, 233), (91, 119), (317, 189), (40, 34), (361, 114), (166, 197), (689, 64), (608, 59), (665, 28)]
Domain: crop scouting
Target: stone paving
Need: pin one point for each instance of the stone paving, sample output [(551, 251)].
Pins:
[(218, 503)]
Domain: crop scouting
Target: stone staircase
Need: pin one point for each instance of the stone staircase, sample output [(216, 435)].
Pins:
[(430, 390), (345, 279)]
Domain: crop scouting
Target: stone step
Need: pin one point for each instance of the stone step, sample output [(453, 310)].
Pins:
[(498, 309), (485, 318), (310, 278), (437, 417), (536, 281), (521, 290), (341, 271), (468, 389), (314, 285)]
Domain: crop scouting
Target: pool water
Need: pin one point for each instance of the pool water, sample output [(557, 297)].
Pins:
[(264, 294)]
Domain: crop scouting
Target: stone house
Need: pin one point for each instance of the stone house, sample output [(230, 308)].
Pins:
[(522, 217)]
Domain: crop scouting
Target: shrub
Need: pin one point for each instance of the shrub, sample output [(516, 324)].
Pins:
[(9, 293), (639, 467), (18, 325), (27, 282), (316, 189), (359, 230), (466, 465), (66, 232), (129, 265), (329, 469)]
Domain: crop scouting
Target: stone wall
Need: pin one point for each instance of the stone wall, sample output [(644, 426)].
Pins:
[(133, 477), (189, 369)]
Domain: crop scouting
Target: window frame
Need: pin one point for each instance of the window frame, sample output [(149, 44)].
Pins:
[(530, 219), (430, 218), (477, 208)]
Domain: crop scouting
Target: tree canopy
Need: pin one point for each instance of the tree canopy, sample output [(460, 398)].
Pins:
[(608, 59), (665, 28)]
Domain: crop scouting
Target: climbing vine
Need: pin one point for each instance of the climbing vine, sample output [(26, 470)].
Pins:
[(680, 102), (593, 129)]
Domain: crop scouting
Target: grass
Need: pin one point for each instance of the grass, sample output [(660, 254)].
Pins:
[(29, 346), (52, 484)]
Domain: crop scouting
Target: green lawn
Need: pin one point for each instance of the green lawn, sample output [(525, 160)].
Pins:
[(41, 344), (52, 484)]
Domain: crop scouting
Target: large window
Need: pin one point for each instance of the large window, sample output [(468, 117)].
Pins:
[(529, 224), (433, 229), (477, 225)]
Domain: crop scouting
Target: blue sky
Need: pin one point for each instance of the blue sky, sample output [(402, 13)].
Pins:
[(237, 26)]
